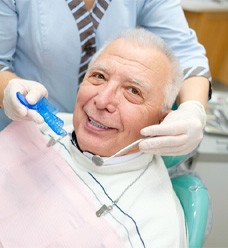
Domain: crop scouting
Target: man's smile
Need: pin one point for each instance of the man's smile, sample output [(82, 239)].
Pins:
[(97, 124)]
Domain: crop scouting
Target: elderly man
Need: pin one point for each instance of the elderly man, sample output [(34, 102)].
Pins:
[(57, 197)]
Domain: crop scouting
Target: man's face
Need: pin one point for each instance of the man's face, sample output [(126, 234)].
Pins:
[(121, 93)]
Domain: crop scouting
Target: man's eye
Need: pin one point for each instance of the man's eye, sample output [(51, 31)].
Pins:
[(99, 76), (134, 95), (134, 91), (96, 78)]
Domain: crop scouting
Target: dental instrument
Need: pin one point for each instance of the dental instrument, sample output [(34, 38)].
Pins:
[(97, 160), (47, 111)]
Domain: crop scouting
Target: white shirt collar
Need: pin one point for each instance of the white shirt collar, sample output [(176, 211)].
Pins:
[(116, 160)]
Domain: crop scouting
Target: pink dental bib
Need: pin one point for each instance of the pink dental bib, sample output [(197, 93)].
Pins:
[(42, 202)]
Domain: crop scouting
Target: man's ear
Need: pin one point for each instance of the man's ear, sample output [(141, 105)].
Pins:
[(163, 114)]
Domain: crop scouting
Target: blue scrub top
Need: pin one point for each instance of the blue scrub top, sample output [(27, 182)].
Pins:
[(39, 40)]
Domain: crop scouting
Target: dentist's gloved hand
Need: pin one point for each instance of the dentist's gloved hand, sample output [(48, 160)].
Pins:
[(179, 133), (33, 92)]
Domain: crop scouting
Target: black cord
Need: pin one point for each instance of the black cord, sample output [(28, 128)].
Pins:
[(137, 230)]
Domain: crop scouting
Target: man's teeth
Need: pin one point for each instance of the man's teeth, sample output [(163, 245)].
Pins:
[(96, 124)]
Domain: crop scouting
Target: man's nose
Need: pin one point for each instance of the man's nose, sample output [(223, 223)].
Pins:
[(107, 97)]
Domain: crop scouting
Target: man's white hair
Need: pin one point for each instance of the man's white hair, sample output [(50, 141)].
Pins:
[(144, 38)]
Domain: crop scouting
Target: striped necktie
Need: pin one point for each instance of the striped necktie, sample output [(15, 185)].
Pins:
[(87, 23)]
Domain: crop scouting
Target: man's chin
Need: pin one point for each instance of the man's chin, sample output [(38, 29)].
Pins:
[(94, 146), (92, 149)]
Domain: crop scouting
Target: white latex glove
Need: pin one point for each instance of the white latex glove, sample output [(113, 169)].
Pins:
[(33, 92), (179, 133)]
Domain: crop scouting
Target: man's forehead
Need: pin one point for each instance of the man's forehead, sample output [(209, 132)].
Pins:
[(139, 63), (111, 58), (133, 54)]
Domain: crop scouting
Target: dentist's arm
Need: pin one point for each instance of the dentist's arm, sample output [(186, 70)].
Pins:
[(10, 84), (5, 77), (181, 131)]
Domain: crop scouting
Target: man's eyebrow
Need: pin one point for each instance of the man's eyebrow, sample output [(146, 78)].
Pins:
[(140, 83), (98, 67)]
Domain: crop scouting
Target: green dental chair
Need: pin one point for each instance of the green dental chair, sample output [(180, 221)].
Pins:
[(194, 199)]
